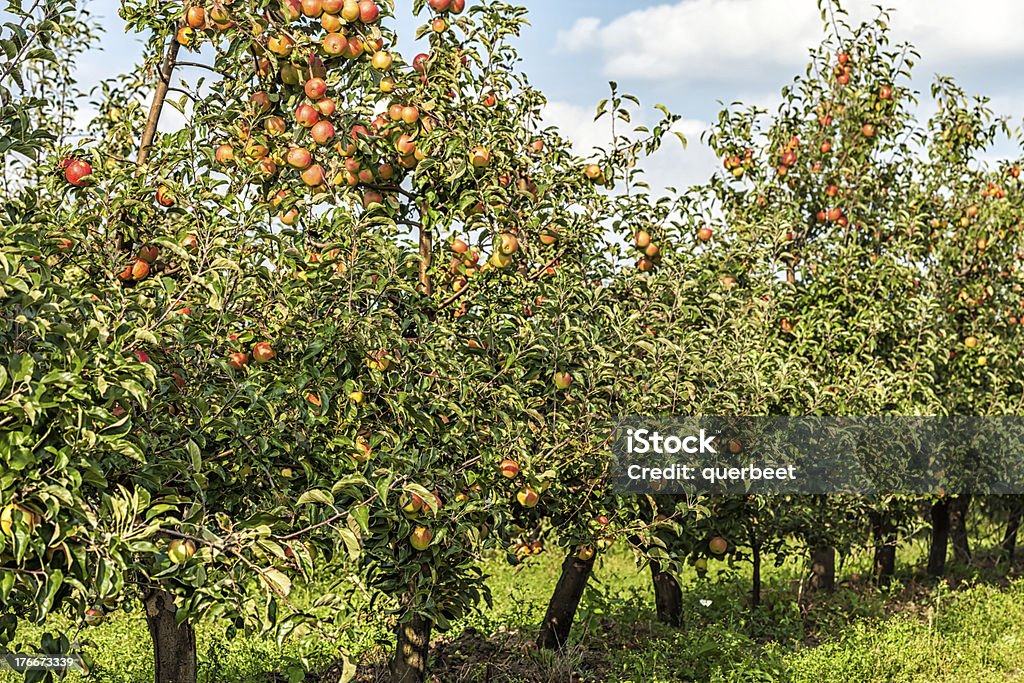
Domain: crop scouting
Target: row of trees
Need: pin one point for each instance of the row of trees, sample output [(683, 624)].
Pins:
[(370, 313)]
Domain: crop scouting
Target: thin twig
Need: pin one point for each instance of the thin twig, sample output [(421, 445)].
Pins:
[(201, 66)]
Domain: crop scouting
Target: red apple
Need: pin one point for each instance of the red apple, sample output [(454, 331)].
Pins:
[(350, 10), (275, 126), (322, 132), (306, 115), (382, 60), (331, 23), (368, 11), (527, 497), (196, 17), (480, 157), (334, 44), (315, 88), (281, 46), (421, 537), (224, 154), (410, 115), (509, 469), (299, 157), (164, 196), (326, 106), (371, 197), (267, 167), (140, 270), (405, 145), (353, 48), (263, 352), (77, 172), (313, 176), (508, 244)]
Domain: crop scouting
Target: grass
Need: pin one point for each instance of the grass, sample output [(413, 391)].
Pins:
[(970, 629)]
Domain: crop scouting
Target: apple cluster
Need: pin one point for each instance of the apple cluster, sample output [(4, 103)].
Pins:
[(140, 266), (737, 165), (788, 156), (650, 253), (293, 126)]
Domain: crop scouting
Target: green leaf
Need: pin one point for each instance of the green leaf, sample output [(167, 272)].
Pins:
[(193, 454), (277, 581), (317, 497), (351, 543)]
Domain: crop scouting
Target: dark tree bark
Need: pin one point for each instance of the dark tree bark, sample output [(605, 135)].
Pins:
[(958, 510), (823, 569), (174, 645), (1012, 527), (554, 630), (668, 596), (410, 662), (940, 537), (884, 535), (755, 560)]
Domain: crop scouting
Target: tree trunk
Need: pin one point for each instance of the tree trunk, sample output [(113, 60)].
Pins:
[(958, 510), (1012, 527), (823, 569), (668, 596), (755, 561), (413, 647), (554, 630), (940, 537), (159, 95), (174, 645), (884, 535)]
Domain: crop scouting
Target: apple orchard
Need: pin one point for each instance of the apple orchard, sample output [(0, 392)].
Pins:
[(366, 315)]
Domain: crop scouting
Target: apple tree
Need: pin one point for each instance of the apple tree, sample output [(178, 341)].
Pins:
[(465, 240)]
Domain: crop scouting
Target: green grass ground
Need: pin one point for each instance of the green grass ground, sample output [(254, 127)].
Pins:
[(919, 632)]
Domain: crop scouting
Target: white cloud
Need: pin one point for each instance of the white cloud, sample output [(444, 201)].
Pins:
[(740, 39), (670, 166), (577, 125), (579, 37)]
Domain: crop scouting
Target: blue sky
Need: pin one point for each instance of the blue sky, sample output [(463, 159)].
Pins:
[(690, 54)]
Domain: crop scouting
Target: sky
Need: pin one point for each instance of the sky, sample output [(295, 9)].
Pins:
[(692, 55)]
